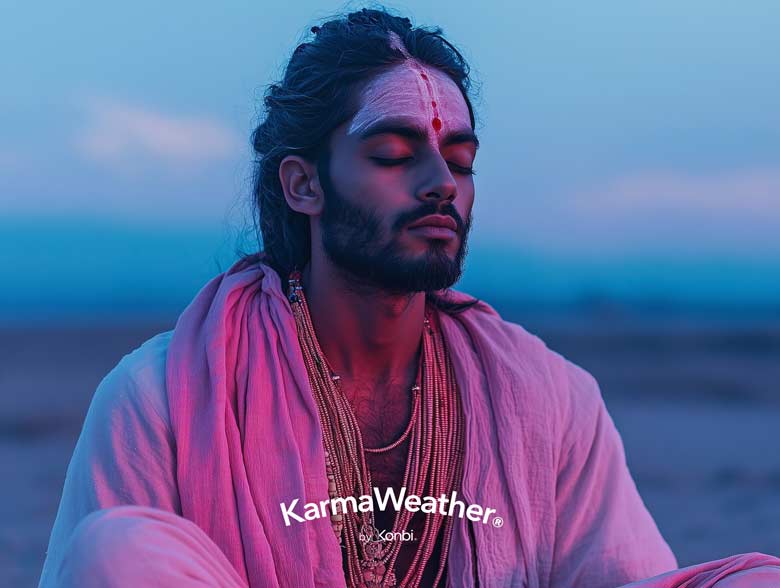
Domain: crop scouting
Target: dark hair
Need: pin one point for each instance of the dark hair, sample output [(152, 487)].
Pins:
[(318, 92)]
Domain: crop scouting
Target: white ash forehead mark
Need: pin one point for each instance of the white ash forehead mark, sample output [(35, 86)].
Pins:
[(397, 43), (406, 90), (410, 89), (426, 87), (397, 92)]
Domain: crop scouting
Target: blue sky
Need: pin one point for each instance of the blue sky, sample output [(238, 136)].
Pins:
[(628, 149)]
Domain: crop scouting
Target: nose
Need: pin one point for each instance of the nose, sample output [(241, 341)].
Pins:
[(439, 182)]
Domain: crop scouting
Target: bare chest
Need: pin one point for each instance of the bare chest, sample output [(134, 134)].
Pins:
[(383, 416)]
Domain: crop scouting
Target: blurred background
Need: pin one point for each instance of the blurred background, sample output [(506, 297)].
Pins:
[(627, 212)]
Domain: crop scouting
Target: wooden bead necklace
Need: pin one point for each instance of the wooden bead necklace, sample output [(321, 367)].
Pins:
[(434, 463)]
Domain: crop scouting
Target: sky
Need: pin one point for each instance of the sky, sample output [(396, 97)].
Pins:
[(629, 150)]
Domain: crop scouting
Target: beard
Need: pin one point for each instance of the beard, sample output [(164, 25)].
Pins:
[(353, 240)]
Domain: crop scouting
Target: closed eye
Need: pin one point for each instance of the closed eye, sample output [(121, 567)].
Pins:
[(385, 162)]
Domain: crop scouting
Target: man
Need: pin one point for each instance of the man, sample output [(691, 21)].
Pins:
[(329, 413)]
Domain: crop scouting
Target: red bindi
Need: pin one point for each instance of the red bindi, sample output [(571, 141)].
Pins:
[(436, 121)]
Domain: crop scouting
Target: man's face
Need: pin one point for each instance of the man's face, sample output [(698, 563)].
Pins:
[(405, 155)]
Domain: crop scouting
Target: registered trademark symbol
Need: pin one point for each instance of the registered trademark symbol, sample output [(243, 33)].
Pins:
[(498, 522)]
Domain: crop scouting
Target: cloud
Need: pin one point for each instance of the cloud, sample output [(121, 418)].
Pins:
[(122, 134), (660, 211), (729, 211), (753, 192)]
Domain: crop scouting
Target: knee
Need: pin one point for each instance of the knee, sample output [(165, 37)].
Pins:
[(112, 543), (766, 576), (143, 546)]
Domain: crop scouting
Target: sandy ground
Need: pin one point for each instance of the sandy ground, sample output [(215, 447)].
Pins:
[(698, 408)]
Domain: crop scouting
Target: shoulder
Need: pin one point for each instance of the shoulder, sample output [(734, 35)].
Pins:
[(125, 453), (490, 333), (548, 375), (136, 385)]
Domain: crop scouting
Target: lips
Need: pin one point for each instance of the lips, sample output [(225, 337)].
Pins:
[(436, 220)]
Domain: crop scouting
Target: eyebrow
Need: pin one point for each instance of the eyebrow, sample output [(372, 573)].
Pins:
[(402, 127)]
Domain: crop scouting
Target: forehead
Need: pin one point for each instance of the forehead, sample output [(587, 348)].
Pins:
[(412, 90)]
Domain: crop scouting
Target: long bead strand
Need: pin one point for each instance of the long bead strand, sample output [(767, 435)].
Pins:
[(434, 462)]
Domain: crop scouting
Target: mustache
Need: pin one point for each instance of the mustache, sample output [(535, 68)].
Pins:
[(448, 209)]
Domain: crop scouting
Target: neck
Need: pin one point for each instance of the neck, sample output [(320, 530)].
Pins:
[(365, 333)]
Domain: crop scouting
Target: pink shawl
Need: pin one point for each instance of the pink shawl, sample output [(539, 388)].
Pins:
[(541, 450), (746, 570)]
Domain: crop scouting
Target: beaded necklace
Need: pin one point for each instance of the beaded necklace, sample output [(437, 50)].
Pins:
[(434, 463)]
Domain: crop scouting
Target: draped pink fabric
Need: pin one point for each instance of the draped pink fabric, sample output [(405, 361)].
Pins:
[(139, 546), (247, 431), (217, 425), (746, 570)]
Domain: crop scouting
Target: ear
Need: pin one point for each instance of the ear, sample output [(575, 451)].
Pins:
[(301, 185)]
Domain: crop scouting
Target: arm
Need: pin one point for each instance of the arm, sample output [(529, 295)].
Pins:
[(125, 452), (605, 537)]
